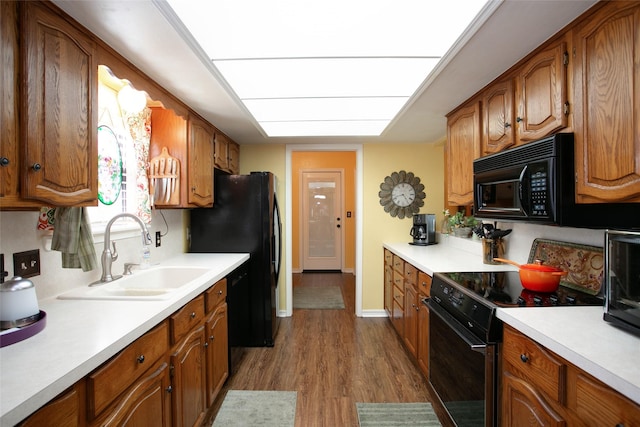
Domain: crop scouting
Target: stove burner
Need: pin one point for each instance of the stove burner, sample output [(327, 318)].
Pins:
[(504, 289)]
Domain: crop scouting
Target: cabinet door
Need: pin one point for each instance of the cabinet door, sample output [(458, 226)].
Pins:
[(411, 319), (497, 117), (189, 380), (147, 403), (388, 289), (423, 336), (59, 126), (221, 152), (234, 158), (200, 173), (66, 410), (9, 107), (541, 92), (217, 352), (607, 116), (523, 405), (463, 147)]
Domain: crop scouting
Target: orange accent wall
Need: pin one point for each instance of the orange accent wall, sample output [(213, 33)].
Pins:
[(345, 160)]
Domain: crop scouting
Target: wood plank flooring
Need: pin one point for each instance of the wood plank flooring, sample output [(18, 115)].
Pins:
[(332, 358)]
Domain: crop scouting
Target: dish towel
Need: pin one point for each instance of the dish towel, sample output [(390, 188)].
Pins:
[(72, 236)]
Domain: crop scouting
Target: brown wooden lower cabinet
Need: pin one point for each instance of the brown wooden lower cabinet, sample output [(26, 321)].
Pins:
[(146, 403), (188, 376), (66, 410), (168, 377), (539, 388), (405, 287)]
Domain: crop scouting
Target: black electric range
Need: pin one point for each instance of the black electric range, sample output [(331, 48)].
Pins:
[(472, 298)]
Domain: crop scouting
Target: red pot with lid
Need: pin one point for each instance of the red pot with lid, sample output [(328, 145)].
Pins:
[(537, 276)]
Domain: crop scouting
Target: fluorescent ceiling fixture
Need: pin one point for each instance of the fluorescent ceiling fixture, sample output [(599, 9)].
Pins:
[(270, 52), (305, 109)]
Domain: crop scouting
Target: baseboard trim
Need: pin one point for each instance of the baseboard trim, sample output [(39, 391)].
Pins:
[(374, 313)]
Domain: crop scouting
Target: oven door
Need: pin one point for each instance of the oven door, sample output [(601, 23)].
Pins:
[(461, 370)]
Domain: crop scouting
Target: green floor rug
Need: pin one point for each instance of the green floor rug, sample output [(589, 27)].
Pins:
[(318, 297), (396, 415), (244, 408)]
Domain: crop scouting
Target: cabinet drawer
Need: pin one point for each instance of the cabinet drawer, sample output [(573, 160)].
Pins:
[(424, 283), (398, 296), (410, 273), (398, 264), (398, 279), (215, 295), (185, 319), (388, 257), (538, 366), (601, 405), (106, 383)]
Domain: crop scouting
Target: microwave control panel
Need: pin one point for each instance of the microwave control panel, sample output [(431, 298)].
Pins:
[(539, 194), (539, 190)]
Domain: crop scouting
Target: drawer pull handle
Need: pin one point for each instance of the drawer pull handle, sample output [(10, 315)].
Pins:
[(140, 358), (524, 358), (206, 345), (219, 292), (211, 337), (193, 315), (36, 167), (169, 389)]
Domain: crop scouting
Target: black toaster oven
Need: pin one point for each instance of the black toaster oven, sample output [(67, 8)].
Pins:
[(622, 279)]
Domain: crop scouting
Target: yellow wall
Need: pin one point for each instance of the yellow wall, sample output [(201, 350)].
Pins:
[(426, 161), (379, 160), (345, 160)]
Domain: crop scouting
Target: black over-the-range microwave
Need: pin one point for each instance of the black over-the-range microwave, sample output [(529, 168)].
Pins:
[(535, 183)]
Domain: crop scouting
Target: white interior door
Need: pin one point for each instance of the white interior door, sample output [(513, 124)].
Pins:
[(321, 220)]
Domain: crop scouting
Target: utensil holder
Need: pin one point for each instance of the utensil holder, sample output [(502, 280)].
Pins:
[(492, 248)]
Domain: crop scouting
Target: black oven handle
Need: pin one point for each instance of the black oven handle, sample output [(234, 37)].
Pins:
[(474, 343)]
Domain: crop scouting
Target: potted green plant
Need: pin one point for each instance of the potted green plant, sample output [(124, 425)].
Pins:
[(462, 225)]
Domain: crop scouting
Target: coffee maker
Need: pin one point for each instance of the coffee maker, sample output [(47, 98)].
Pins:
[(423, 230)]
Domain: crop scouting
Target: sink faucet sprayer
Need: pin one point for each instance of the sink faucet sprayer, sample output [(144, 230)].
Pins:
[(107, 256)]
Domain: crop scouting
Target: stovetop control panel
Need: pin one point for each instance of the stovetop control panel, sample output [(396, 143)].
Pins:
[(474, 315)]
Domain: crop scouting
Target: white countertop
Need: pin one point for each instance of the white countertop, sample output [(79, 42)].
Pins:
[(80, 335), (450, 254), (578, 334)]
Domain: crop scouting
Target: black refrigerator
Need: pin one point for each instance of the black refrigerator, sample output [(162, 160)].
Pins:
[(245, 219)]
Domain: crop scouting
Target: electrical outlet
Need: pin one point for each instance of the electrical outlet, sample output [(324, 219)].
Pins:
[(158, 239), (26, 264)]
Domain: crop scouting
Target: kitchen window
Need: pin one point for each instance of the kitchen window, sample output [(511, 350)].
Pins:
[(123, 129)]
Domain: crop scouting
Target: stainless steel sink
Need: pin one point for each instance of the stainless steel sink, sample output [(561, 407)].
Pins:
[(156, 283)]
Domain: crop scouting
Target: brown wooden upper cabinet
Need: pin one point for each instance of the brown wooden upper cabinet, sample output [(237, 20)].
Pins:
[(539, 87), (201, 164), (498, 117), (541, 93), (50, 154), (234, 157), (463, 147), (607, 113)]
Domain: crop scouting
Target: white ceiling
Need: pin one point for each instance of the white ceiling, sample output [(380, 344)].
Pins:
[(141, 31)]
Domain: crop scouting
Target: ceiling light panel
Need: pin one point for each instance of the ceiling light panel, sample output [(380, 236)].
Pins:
[(292, 28), (325, 77), (300, 109), (325, 68), (325, 128)]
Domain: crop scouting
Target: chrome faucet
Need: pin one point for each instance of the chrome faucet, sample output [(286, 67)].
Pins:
[(107, 256)]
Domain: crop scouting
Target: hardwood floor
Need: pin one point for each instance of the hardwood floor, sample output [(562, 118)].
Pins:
[(332, 358)]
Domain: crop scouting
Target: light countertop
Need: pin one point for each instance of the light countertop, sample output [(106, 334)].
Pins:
[(578, 334), (80, 335)]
